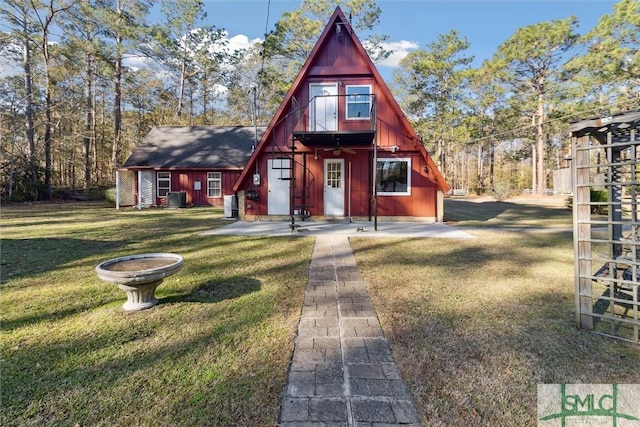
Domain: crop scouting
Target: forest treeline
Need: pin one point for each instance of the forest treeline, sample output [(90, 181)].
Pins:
[(91, 77)]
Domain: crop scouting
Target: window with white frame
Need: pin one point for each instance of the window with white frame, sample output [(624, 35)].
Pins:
[(214, 184), (393, 177), (163, 183), (358, 102)]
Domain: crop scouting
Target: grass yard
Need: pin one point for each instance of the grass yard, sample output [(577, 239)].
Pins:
[(475, 325), (215, 351), (521, 212)]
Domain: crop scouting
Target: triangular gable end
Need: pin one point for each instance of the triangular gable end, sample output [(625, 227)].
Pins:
[(338, 17)]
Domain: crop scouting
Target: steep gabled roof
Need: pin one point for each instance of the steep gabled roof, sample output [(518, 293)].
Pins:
[(195, 147), (338, 17)]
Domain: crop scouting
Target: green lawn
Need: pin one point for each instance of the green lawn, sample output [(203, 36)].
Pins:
[(474, 324), (215, 351), (522, 212)]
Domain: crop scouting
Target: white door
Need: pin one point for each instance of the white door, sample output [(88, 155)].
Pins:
[(334, 187), (278, 181), (324, 107)]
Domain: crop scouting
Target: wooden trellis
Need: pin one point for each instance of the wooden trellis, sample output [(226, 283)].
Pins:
[(606, 230)]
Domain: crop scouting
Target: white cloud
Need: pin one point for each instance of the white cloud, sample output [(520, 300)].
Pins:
[(241, 42), (137, 62), (399, 50), (220, 90)]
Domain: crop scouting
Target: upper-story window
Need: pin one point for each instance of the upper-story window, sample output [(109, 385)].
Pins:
[(358, 102)]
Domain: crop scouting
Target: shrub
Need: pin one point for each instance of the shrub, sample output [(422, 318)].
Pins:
[(595, 196), (502, 191), (479, 191), (110, 195)]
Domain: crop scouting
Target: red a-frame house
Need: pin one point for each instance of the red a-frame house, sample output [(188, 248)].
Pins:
[(317, 156)]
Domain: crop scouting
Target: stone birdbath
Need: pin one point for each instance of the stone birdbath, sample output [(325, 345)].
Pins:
[(139, 276)]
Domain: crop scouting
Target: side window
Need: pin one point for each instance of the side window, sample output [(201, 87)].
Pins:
[(358, 102), (214, 184), (164, 183)]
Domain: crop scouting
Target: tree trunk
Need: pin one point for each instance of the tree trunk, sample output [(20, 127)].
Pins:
[(49, 122), (117, 105), (480, 169), (72, 169), (191, 103), (14, 138), (441, 157), (534, 174), (205, 97), (540, 148), (47, 143), (88, 124), (492, 162), (534, 160), (94, 136), (29, 112), (105, 172), (183, 79)]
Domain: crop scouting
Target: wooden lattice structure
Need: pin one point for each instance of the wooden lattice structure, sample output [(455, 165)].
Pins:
[(606, 224)]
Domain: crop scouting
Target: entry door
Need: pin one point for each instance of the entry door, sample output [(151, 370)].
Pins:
[(334, 187), (279, 178), (324, 107)]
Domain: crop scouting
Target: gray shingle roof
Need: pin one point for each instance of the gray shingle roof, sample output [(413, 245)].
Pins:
[(195, 147)]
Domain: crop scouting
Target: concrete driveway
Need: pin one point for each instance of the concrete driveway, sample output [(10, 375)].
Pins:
[(341, 228)]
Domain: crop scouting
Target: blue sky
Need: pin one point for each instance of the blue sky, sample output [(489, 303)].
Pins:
[(413, 24)]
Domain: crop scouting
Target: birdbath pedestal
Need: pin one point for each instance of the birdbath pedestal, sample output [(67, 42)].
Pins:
[(139, 276)]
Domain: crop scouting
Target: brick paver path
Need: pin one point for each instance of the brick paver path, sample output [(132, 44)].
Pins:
[(342, 373)]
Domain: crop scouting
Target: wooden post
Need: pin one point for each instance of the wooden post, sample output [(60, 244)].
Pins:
[(582, 230)]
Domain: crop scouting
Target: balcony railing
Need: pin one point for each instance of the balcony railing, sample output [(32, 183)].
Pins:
[(351, 118)]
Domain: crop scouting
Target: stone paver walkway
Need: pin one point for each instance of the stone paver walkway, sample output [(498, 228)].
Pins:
[(342, 373)]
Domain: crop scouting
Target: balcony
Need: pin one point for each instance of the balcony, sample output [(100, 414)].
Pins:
[(330, 120)]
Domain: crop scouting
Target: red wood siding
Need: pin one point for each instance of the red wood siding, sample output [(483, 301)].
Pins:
[(184, 181), (358, 177), (341, 60), (422, 201), (390, 131)]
